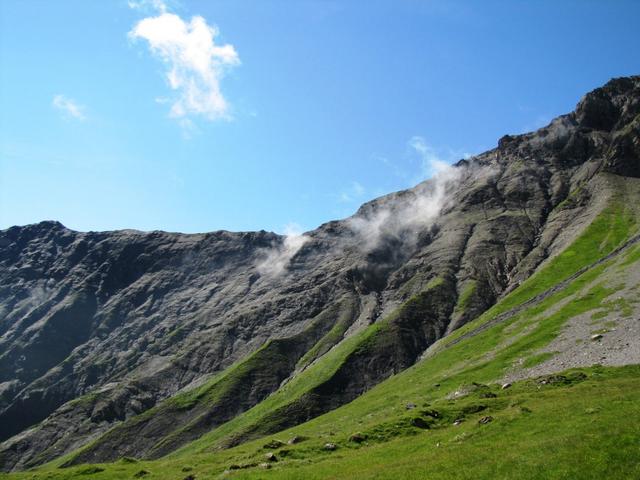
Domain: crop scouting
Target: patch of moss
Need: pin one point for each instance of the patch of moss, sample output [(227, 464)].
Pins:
[(631, 257), (345, 312), (465, 296)]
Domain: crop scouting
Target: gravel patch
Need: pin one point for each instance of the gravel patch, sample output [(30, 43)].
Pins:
[(613, 340)]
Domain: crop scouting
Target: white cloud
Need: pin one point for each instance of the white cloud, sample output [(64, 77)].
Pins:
[(68, 107), (155, 5), (404, 217), (275, 260), (195, 63), (431, 161)]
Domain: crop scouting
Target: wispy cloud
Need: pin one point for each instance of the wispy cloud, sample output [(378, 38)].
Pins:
[(195, 63), (428, 157), (402, 218), (68, 107), (395, 222), (431, 162), (274, 261), (355, 192), (148, 5)]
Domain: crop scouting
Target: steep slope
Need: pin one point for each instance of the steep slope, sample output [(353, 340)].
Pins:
[(99, 328), (446, 417)]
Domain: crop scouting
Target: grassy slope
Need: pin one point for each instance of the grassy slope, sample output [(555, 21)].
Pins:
[(270, 363), (581, 423), (559, 432), (611, 228)]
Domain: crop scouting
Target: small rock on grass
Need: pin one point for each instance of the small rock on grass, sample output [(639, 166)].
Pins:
[(485, 420), (265, 465), (330, 446), (271, 457), (506, 385), (357, 438), (296, 439), (273, 444)]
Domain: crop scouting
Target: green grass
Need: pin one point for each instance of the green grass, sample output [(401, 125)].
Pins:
[(611, 228), (344, 319), (377, 336), (632, 256), (566, 428), (315, 374), (621, 306), (86, 399), (537, 359), (417, 283), (465, 296), (563, 430)]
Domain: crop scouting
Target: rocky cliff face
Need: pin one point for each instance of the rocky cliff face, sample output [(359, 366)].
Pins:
[(98, 328)]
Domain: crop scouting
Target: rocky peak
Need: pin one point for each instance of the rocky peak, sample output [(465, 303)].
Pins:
[(614, 104)]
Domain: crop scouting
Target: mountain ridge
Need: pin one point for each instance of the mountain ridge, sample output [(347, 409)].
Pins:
[(501, 219)]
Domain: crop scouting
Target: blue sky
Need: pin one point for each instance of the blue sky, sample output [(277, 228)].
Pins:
[(243, 115)]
